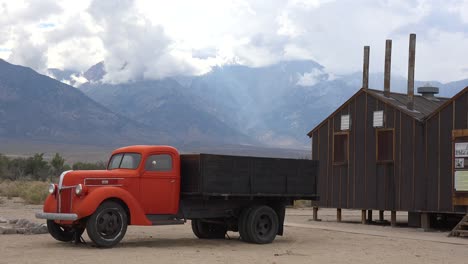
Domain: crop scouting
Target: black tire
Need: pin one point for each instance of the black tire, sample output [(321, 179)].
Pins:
[(243, 223), (107, 225), (207, 230), (262, 225), (64, 234)]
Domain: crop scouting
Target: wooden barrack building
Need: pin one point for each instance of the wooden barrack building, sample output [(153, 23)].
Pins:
[(382, 150)]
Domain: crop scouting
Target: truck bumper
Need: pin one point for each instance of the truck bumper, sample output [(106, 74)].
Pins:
[(56, 216)]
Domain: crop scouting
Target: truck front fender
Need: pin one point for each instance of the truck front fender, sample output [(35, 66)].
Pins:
[(93, 199)]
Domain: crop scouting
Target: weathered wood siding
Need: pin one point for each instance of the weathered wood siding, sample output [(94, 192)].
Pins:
[(438, 145), (419, 178), (363, 183)]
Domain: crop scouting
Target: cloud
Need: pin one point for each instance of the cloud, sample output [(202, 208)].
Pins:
[(312, 78), (31, 11), (135, 48), (26, 52), (155, 39)]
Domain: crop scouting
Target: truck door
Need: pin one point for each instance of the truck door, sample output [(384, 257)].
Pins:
[(159, 184)]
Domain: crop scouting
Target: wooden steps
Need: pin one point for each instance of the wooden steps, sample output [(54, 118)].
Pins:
[(461, 229)]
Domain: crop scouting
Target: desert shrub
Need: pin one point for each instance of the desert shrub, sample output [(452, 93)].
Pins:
[(16, 169), (37, 167), (11, 189), (32, 192), (100, 165)]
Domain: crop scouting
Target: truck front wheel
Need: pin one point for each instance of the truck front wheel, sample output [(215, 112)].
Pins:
[(261, 225), (107, 226), (208, 230), (64, 234)]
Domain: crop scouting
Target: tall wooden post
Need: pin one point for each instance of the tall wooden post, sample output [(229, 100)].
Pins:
[(338, 214), (365, 68), (369, 216), (315, 213), (411, 66), (363, 217), (388, 66)]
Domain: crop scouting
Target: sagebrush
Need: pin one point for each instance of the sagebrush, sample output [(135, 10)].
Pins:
[(32, 192)]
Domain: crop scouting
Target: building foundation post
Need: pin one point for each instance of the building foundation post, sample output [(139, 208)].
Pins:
[(315, 213), (425, 221), (369, 216), (393, 219)]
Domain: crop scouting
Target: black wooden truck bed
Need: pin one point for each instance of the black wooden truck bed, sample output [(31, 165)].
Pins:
[(231, 176)]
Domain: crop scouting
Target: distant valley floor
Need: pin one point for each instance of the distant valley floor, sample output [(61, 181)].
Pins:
[(92, 153)]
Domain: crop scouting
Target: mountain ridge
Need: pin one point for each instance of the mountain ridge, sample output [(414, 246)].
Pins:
[(271, 106)]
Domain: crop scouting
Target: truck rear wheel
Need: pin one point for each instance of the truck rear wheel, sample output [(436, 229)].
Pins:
[(243, 223), (261, 225), (207, 230), (107, 226), (64, 234)]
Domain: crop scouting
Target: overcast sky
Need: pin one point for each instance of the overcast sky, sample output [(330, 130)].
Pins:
[(156, 39)]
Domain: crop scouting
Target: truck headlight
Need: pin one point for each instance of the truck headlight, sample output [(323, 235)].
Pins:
[(79, 189), (52, 188)]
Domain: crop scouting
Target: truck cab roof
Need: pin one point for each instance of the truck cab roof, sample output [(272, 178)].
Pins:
[(146, 149)]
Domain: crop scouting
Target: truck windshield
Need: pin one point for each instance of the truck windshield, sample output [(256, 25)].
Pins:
[(124, 161)]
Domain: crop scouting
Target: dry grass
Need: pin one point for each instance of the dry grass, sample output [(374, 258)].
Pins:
[(302, 203), (32, 192)]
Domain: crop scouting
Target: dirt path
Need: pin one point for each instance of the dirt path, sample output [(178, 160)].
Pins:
[(304, 242)]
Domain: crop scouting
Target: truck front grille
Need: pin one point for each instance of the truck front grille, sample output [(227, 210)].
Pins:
[(65, 200)]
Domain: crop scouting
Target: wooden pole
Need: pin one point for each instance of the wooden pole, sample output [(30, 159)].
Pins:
[(393, 219), (388, 66), (363, 217), (411, 66), (338, 214), (365, 68), (315, 213), (381, 216)]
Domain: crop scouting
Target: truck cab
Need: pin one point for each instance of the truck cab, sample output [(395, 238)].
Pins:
[(138, 181)]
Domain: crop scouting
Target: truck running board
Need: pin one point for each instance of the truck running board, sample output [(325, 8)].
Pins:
[(165, 220)]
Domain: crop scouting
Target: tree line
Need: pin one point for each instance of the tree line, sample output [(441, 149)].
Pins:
[(38, 168)]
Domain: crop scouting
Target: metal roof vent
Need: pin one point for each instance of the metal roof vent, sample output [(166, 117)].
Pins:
[(429, 92)]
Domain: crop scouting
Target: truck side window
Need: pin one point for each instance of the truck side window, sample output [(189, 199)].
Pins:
[(159, 162)]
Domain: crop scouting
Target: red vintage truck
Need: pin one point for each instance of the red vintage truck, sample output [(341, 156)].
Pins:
[(155, 185)]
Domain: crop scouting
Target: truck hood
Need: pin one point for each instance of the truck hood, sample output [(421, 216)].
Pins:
[(71, 178)]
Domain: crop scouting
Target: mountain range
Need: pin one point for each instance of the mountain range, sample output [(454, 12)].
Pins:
[(233, 105), (274, 105), (34, 106)]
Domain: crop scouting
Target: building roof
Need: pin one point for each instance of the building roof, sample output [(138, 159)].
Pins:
[(455, 97), (423, 107)]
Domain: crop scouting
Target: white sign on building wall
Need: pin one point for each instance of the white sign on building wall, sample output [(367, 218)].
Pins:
[(461, 180), (461, 149)]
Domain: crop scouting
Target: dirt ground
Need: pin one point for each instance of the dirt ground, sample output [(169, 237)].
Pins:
[(304, 241)]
